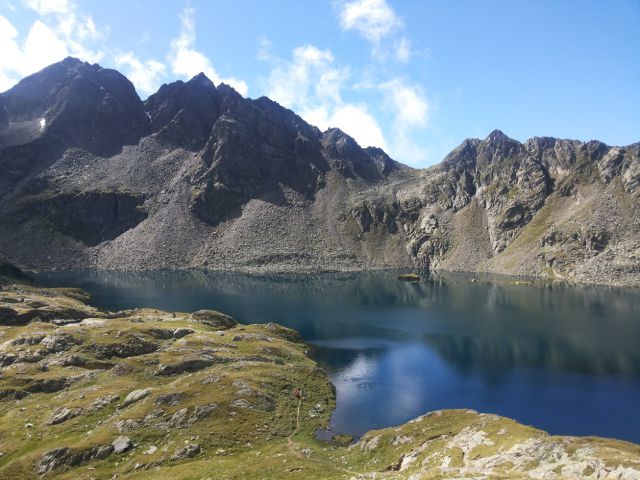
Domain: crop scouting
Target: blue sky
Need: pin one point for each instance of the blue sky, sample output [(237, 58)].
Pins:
[(414, 77)]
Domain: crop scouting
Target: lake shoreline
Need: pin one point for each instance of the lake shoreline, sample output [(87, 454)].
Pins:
[(482, 439)]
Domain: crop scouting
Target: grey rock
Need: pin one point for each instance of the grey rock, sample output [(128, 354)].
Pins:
[(136, 396), (190, 365), (169, 398), (127, 425), (122, 444), (58, 342), (63, 414), (182, 332), (130, 346), (52, 460), (214, 319), (103, 402), (190, 451), (103, 451), (69, 457)]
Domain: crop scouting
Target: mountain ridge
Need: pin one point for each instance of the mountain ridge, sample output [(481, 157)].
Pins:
[(198, 176)]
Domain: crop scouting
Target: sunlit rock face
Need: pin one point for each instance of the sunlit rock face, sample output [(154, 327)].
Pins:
[(204, 177)]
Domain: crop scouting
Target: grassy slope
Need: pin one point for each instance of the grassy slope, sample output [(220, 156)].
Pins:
[(255, 366)]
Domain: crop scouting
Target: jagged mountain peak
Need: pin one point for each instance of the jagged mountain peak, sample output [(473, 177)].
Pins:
[(201, 77), (227, 90), (68, 80), (72, 61), (73, 104), (217, 179), (339, 138), (497, 137), (183, 113)]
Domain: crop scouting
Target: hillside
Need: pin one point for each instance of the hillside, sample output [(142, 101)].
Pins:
[(143, 394), (197, 176)]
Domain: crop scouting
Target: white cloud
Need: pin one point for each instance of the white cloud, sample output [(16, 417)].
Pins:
[(360, 124), (379, 24), (403, 50), (313, 86), (77, 30), (409, 104), (44, 7), (59, 32), (187, 62), (373, 19), (41, 47), (145, 75), (410, 110), (10, 53)]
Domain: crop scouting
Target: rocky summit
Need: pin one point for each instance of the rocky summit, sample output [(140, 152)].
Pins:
[(198, 176)]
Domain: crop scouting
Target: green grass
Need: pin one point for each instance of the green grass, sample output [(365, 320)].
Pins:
[(273, 440)]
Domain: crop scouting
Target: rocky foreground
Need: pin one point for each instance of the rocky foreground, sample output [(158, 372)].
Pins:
[(149, 394)]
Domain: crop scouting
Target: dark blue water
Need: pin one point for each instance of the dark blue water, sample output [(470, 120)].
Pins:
[(564, 359)]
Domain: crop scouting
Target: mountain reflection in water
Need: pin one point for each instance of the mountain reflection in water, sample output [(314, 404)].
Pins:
[(563, 358)]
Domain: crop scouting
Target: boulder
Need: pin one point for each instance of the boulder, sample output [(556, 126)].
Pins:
[(122, 444), (214, 319), (409, 277), (182, 332), (62, 415), (58, 342), (189, 365), (169, 399), (189, 451), (135, 396), (53, 459)]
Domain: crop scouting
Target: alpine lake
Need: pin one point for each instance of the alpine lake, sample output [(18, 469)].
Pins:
[(562, 358)]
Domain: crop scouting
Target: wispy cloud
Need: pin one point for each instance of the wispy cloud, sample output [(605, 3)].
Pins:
[(146, 75), (405, 104), (373, 19), (377, 22), (403, 50), (187, 62), (312, 85), (61, 30), (410, 110), (316, 86), (75, 28)]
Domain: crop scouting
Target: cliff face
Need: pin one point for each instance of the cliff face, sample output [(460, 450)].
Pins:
[(198, 176), (548, 207)]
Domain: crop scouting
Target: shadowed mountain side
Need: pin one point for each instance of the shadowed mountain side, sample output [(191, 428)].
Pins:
[(198, 176)]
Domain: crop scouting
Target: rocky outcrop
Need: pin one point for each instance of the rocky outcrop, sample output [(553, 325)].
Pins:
[(135, 396), (183, 114), (68, 104), (91, 216), (547, 207), (213, 319)]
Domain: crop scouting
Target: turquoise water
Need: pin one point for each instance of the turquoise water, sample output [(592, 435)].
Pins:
[(565, 359)]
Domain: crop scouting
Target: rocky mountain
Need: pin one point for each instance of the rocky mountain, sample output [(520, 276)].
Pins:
[(198, 176)]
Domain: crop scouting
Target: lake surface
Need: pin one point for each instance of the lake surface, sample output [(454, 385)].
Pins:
[(564, 359)]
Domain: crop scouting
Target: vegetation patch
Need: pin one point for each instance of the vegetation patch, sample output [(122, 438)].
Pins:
[(145, 394)]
